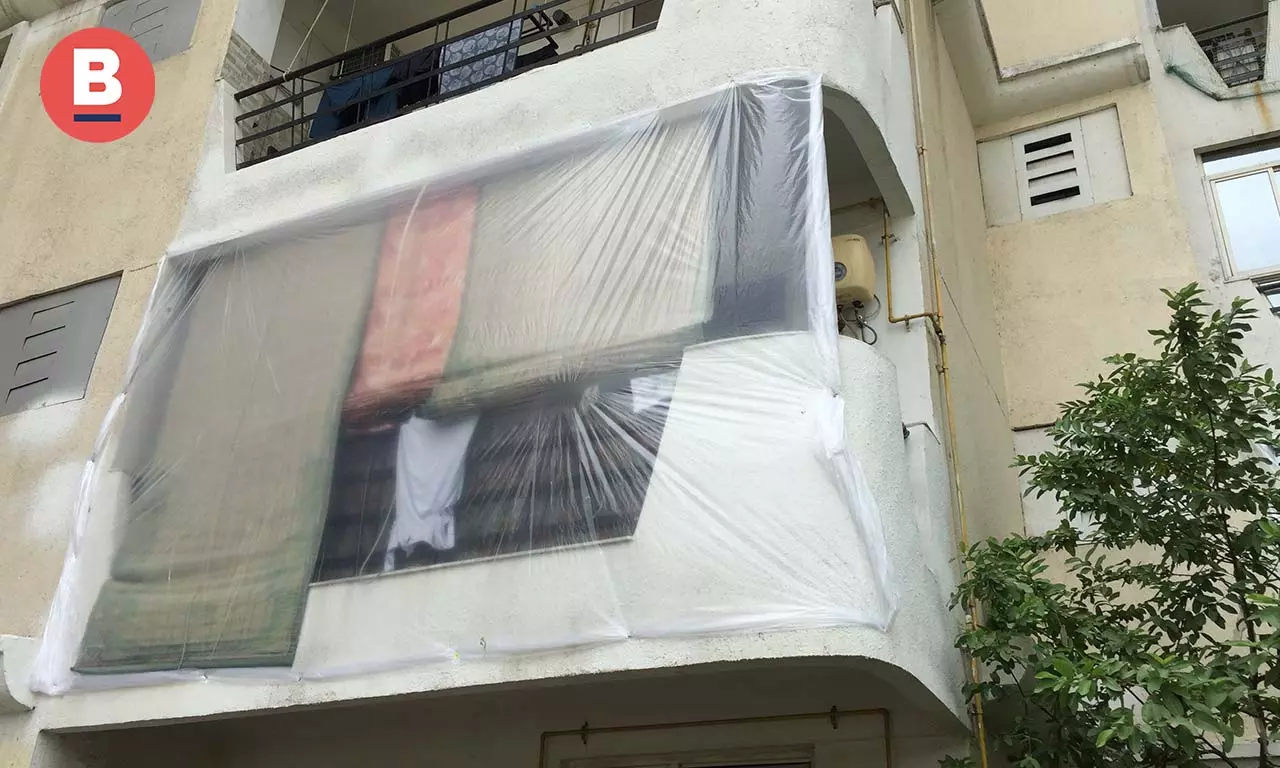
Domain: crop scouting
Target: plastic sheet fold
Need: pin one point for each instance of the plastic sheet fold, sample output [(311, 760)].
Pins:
[(585, 393)]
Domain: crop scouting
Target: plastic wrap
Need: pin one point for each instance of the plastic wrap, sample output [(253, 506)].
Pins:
[(585, 393)]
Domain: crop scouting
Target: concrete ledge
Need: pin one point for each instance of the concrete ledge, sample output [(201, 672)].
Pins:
[(995, 93)]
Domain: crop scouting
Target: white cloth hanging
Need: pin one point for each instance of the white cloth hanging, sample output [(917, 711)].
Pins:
[(430, 464)]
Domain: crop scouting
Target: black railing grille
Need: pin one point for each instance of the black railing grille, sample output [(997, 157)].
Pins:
[(1238, 50), (301, 107)]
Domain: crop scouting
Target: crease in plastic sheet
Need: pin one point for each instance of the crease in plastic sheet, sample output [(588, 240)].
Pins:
[(583, 394)]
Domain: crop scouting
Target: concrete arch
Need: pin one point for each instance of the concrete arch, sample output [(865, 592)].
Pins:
[(872, 145)]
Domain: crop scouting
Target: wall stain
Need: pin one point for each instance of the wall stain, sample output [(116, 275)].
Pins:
[(1263, 110)]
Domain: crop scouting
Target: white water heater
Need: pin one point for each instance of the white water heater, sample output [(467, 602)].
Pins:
[(855, 270)]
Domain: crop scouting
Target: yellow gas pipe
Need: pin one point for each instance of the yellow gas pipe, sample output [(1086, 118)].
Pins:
[(936, 319)]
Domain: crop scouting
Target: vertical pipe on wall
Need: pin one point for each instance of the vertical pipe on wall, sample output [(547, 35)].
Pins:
[(913, 58)]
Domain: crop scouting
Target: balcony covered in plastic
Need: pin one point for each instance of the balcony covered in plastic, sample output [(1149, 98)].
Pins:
[(587, 394)]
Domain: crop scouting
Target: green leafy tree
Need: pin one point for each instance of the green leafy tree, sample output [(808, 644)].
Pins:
[(1158, 644)]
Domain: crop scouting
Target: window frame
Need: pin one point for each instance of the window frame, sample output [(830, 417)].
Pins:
[(800, 756), (1219, 222), (860, 739)]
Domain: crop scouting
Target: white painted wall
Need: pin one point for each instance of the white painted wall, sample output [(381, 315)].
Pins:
[(258, 22), (306, 35)]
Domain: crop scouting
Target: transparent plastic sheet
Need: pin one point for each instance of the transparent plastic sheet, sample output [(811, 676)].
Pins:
[(582, 394)]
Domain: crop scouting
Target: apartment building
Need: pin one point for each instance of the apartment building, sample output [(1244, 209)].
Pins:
[(750, 560)]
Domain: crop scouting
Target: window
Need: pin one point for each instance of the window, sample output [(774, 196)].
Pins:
[(1060, 167), (1271, 292), (1244, 192), (48, 345), (793, 757), (570, 467), (365, 58), (688, 761), (646, 13)]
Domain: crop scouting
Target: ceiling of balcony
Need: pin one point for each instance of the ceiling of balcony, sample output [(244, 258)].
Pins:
[(343, 24), (1200, 14), (848, 178)]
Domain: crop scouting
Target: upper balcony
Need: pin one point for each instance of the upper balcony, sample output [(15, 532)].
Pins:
[(1219, 47), (343, 65), (497, 74), (1237, 48)]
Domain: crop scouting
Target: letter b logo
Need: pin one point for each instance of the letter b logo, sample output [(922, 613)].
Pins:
[(95, 67), (97, 84)]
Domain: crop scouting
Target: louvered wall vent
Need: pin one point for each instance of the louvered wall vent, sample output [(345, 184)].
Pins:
[(1052, 169), (1060, 167), (48, 345)]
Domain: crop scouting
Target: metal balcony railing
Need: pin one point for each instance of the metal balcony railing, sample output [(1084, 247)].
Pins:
[(1237, 49), (375, 82)]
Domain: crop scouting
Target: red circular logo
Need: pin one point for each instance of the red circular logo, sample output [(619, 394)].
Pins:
[(97, 84)]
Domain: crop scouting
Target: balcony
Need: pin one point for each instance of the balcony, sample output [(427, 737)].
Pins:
[(666, 456), (1218, 47), (1237, 49), (318, 95)]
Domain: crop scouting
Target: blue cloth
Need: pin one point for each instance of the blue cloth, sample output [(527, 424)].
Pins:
[(487, 68), (345, 93)]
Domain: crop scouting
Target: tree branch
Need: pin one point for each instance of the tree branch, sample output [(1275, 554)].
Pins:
[(1260, 719), (1217, 752)]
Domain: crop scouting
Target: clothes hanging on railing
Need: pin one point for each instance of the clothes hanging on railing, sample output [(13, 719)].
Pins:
[(488, 68), (569, 466), (354, 96), (430, 460), (422, 88)]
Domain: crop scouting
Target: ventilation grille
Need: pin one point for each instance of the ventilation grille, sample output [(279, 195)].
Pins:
[(1070, 164), (48, 345), (365, 58), (1052, 169)]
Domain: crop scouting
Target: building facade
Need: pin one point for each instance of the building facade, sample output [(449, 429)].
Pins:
[(1027, 176)]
